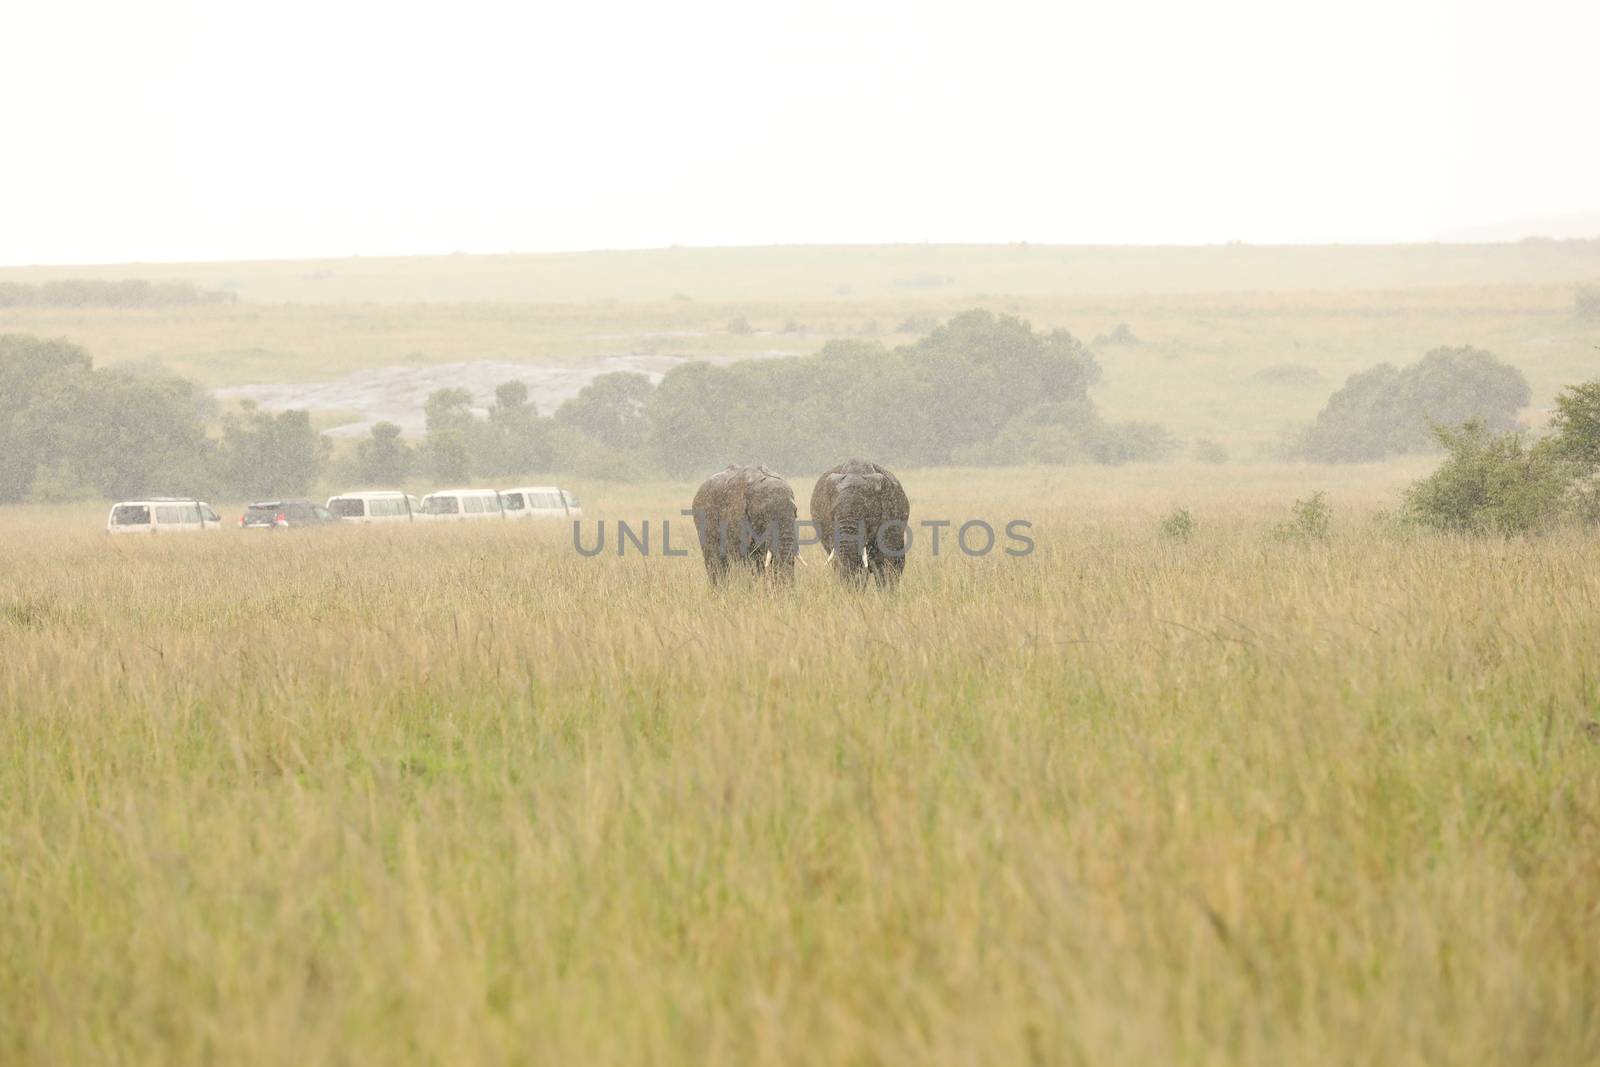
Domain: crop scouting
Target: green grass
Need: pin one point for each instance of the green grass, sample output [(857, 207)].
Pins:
[(456, 794)]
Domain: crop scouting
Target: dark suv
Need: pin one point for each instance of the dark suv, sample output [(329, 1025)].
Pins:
[(284, 514)]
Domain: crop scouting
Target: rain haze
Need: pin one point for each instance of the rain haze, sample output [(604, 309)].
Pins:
[(900, 535), (202, 131)]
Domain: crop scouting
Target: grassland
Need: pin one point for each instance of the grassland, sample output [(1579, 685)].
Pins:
[(814, 273), (1196, 370), (458, 795)]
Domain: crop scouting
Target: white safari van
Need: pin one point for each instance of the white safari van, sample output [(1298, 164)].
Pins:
[(462, 505), (385, 506), (540, 502), (162, 514)]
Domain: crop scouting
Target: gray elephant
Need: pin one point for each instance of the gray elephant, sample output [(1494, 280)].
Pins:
[(862, 517), (746, 517)]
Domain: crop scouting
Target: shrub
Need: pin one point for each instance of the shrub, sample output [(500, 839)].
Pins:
[(1208, 451), (1309, 521), (740, 326), (1387, 410), (1179, 525), (1491, 483), (917, 324), (1575, 426)]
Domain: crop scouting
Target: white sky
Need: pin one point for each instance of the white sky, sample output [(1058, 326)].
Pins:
[(166, 130)]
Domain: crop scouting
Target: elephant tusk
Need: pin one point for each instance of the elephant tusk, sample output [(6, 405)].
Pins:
[(768, 563), (831, 551), (802, 560), (865, 562)]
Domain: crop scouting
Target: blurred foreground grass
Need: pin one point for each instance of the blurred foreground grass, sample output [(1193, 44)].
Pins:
[(459, 795)]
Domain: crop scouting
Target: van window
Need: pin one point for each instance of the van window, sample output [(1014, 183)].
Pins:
[(210, 516), (474, 505), (441, 505), (550, 501), (511, 501), (347, 508), (572, 501), (131, 515), (176, 514), (321, 513)]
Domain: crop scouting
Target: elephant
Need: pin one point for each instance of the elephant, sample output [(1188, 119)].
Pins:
[(862, 517), (745, 517)]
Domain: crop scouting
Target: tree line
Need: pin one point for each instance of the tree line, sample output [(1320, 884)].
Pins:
[(69, 429), (983, 389), (94, 292)]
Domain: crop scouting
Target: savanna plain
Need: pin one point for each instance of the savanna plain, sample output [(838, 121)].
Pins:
[(466, 796), (1258, 792)]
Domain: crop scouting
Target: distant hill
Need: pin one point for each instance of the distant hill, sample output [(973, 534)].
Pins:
[(849, 273), (1582, 226)]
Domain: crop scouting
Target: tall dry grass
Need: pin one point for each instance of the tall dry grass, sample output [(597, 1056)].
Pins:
[(459, 795)]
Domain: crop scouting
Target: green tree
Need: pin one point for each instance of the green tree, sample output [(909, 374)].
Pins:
[(1576, 424), (271, 455), (447, 451), (132, 435), (31, 370), (1388, 410), (1491, 483), (448, 455), (612, 409), (448, 409), (383, 458), (515, 440)]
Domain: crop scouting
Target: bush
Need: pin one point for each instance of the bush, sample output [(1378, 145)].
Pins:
[(1311, 518), (572, 450), (1388, 411), (1492, 483), (1208, 451), (1575, 426), (741, 326), (1179, 525)]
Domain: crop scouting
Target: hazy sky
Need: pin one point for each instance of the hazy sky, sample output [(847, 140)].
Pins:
[(219, 130)]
